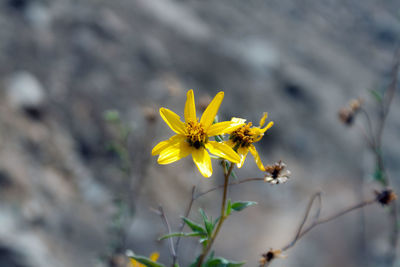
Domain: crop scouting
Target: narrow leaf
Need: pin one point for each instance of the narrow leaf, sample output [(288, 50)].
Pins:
[(377, 95), (221, 262), (180, 234), (146, 261), (229, 207), (240, 205), (194, 226), (207, 223)]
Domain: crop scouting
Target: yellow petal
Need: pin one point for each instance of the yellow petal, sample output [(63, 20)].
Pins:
[(238, 120), (230, 143), (190, 108), (134, 263), (269, 125), (223, 128), (211, 111), (173, 120), (154, 256), (164, 144), (257, 158), (264, 117), (202, 161), (222, 150), (174, 153), (242, 152)]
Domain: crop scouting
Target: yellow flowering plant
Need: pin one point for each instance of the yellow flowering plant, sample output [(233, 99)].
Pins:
[(193, 136), (233, 140)]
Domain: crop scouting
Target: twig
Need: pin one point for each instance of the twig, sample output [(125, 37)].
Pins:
[(371, 140), (175, 257), (317, 221), (230, 184), (308, 210), (388, 97), (161, 212)]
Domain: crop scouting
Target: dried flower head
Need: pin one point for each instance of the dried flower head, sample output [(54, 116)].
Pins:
[(276, 173), (347, 114), (355, 104), (270, 255), (385, 196)]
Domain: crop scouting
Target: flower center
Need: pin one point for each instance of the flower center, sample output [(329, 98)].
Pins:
[(243, 137), (196, 136)]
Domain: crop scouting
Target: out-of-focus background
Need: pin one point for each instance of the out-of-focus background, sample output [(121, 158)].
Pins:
[(63, 63)]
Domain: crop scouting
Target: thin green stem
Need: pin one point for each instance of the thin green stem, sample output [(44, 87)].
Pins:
[(222, 218)]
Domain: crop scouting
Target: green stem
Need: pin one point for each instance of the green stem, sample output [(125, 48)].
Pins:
[(223, 216)]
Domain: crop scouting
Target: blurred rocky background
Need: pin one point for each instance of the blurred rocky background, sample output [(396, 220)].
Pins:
[(64, 63)]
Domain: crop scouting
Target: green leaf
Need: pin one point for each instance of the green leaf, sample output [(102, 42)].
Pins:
[(207, 223), (180, 234), (194, 264), (194, 226), (377, 95), (240, 205), (211, 256), (146, 261), (233, 174), (218, 138), (229, 207), (204, 239), (221, 262), (379, 176)]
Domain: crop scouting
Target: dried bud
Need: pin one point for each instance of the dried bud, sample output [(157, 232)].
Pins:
[(270, 255), (386, 196), (275, 174), (346, 116), (355, 104)]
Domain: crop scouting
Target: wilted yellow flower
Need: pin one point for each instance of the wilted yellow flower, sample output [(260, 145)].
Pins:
[(192, 136), (242, 139), (153, 257)]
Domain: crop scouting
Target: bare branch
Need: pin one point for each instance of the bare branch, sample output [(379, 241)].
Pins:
[(161, 213), (189, 208), (317, 221)]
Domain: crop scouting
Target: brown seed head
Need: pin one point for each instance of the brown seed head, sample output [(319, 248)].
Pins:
[(270, 255), (385, 197), (346, 116)]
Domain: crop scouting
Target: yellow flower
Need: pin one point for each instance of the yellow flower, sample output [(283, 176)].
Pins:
[(153, 257), (192, 136), (242, 139)]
